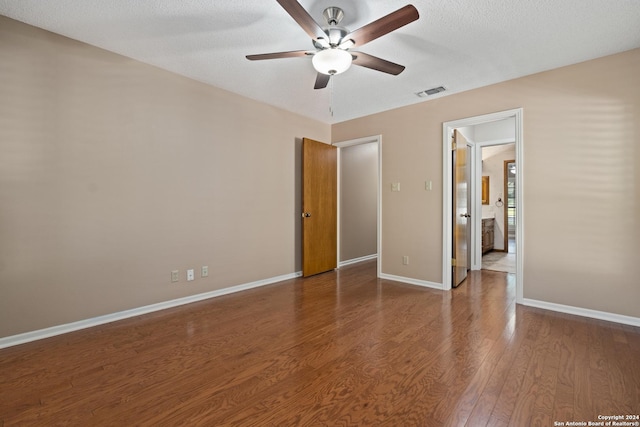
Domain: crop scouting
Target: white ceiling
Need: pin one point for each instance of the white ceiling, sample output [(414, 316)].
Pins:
[(459, 44)]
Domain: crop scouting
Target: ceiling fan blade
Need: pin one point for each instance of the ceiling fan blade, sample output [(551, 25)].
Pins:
[(384, 25), (322, 80), (277, 55), (375, 63), (302, 17)]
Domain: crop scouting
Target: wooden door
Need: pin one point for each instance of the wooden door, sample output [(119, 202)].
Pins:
[(319, 207), (460, 209)]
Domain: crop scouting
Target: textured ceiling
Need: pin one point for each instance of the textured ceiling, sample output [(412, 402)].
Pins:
[(459, 44)]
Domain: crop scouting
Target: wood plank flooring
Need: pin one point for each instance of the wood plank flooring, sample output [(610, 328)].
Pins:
[(343, 348)]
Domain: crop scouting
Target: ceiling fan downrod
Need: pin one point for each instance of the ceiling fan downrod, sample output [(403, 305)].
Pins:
[(333, 15)]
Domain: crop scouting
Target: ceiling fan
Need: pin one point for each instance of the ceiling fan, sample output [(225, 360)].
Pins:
[(332, 43)]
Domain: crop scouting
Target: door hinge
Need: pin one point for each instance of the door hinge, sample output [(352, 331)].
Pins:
[(453, 262), (453, 146)]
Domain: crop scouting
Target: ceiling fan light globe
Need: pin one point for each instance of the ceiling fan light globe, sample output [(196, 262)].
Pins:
[(332, 61)]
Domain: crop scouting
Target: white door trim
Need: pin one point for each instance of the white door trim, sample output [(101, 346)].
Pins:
[(365, 140), (447, 129)]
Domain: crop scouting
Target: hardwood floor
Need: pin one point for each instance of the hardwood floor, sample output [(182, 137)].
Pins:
[(342, 348)]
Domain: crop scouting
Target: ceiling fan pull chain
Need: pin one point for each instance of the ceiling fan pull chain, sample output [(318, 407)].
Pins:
[(331, 95)]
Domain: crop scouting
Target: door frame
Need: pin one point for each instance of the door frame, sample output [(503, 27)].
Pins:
[(447, 129), (348, 143)]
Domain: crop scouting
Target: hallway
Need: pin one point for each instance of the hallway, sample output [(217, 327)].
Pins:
[(501, 261)]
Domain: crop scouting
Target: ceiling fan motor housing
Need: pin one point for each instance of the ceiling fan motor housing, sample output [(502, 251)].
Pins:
[(333, 15)]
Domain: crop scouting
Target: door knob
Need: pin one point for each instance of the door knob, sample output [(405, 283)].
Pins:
[(306, 214), (465, 215)]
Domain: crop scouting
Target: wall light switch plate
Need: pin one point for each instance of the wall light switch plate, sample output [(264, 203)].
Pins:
[(428, 185), (405, 260), (205, 271), (190, 275), (395, 186)]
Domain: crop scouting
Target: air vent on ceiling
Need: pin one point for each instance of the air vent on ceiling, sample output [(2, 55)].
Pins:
[(431, 91)]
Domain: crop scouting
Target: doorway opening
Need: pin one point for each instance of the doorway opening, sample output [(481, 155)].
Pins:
[(475, 186), (359, 200), (499, 211)]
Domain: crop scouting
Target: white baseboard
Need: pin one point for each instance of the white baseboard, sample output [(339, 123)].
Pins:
[(585, 312), (357, 260), (100, 320), (411, 281)]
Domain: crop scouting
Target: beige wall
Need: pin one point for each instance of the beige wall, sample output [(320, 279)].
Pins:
[(581, 180), (358, 201), (113, 173)]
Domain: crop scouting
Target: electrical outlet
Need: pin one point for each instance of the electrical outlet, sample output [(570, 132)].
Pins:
[(190, 275), (175, 275), (395, 186), (405, 260), (205, 271)]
